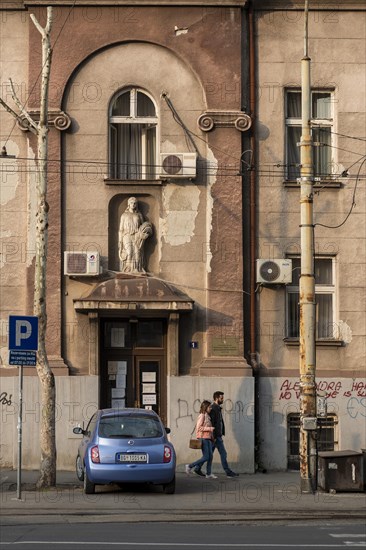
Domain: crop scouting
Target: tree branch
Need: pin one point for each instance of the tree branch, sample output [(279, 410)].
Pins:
[(39, 27), (10, 110), (21, 107)]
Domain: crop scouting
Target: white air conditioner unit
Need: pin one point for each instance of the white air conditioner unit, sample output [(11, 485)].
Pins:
[(81, 264), (274, 272), (178, 165)]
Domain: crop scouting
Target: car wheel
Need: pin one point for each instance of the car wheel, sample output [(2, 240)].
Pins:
[(89, 487), (79, 469), (169, 488)]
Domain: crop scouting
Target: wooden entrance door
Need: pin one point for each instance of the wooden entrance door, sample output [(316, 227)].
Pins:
[(133, 364)]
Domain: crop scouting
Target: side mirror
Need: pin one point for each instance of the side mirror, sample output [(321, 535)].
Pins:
[(168, 430), (78, 430)]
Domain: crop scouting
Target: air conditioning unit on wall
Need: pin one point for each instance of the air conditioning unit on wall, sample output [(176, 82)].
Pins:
[(274, 272), (178, 165), (81, 264)]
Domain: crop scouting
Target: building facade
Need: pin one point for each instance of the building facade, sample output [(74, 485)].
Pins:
[(144, 275), (173, 168), (337, 35)]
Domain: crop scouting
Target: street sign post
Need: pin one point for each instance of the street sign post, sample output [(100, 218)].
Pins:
[(23, 346)]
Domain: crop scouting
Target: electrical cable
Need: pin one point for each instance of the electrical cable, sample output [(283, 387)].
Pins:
[(352, 205)]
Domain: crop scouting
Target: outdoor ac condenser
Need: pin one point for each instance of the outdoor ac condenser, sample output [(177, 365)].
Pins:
[(178, 165), (81, 264), (278, 271)]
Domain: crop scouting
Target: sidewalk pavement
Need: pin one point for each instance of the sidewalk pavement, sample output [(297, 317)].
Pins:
[(250, 498)]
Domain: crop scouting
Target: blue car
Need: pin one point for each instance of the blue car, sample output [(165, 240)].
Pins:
[(125, 446)]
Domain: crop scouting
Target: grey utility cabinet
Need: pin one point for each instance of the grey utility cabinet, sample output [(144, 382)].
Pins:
[(340, 471)]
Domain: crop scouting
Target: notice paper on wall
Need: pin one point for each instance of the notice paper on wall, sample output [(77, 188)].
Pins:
[(118, 337), (148, 388), (118, 403), (121, 367), (117, 367), (149, 376), (120, 381), (118, 393), (149, 399)]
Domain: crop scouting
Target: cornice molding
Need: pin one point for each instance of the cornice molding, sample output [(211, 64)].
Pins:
[(139, 3), (328, 5)]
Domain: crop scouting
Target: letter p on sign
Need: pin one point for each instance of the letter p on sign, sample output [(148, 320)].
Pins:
[(23, 333)]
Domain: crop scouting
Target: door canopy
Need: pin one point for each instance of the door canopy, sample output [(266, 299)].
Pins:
[(134, 293)]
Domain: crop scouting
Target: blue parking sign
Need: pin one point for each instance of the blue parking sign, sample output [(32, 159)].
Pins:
[(23, 333)]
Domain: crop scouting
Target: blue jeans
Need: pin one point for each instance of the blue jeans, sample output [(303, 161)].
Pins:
[(219, 445), (207, 454)]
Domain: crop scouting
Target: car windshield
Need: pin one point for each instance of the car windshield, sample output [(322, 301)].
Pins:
[(129, 426)]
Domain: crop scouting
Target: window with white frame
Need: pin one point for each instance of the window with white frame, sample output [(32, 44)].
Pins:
[(133, 126), (325, 297), (321, 123)]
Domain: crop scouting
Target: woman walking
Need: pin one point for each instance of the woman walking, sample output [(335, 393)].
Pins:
[(204, 432)]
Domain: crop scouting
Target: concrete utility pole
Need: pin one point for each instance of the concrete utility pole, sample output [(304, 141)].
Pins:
[(308, 458)]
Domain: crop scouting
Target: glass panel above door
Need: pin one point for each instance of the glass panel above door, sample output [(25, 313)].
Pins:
[(149, 334), (117, 335)]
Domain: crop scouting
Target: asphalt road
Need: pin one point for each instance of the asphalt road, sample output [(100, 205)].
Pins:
[(166, 536)]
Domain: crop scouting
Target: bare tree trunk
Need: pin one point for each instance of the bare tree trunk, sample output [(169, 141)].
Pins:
[(48, 394)]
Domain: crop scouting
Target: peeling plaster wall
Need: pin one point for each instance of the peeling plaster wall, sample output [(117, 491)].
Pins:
[(181, 208), (13, 174)]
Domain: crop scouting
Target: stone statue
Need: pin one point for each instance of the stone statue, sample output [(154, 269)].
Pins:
[(133, 232)]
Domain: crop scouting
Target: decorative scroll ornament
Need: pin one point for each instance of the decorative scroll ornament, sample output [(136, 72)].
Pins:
[(56, 119), (237, 119)]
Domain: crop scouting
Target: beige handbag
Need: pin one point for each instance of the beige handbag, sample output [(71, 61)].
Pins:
[(194, 443)]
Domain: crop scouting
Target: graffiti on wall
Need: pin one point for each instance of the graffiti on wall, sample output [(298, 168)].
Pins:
[(5, 399), (333, 388), (238, 410)]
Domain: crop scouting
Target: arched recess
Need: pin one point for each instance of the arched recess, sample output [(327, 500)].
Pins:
[(86, 145)]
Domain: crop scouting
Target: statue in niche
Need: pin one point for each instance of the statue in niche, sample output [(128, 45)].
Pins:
[(133, 232)]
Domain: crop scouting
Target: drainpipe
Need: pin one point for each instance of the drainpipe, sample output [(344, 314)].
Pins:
[(253, 239), (253, 236)]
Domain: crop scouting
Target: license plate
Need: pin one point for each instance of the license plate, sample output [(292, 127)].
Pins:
[(129, 457)]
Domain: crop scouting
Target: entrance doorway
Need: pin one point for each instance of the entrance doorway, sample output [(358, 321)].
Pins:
[(133, 364)]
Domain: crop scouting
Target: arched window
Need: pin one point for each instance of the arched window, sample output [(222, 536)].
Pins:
[(133, 126)]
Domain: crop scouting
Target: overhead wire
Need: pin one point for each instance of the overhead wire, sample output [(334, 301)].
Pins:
[(352, 205)]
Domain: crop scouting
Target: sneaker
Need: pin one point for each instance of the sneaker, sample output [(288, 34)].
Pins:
[(199, 473), (188, 469), (211, 476), (231, 474)]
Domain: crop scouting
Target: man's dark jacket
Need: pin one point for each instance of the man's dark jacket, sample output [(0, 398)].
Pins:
[(217, 420)]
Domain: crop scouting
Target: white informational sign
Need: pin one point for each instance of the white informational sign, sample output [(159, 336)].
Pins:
[(148, 407), (118, 393), (121, 367), (148, 388), (120, 380), (112, 367), (149, 399), (118, 403), (117, 337), (149, 376)]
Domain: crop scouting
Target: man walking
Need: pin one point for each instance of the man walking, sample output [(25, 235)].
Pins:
[(219, 431)]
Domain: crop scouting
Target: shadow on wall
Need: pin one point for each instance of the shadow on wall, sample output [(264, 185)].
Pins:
[(241, 414)]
